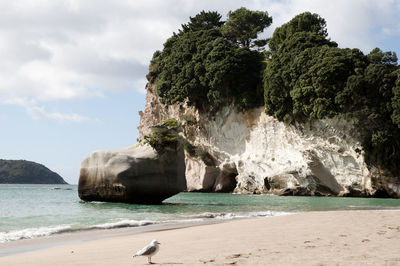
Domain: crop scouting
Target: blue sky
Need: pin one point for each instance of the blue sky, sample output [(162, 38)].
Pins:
[(72, 72)]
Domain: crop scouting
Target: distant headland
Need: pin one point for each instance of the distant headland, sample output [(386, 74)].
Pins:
[(26, 172)]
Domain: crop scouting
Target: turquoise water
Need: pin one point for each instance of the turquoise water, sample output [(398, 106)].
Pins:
[(29, 211)]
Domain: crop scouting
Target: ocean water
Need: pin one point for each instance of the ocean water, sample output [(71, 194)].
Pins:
[(30, 211)]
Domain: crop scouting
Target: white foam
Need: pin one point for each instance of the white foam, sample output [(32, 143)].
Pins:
[(32, 233), (122, 223), (47, 231), (229, 215)]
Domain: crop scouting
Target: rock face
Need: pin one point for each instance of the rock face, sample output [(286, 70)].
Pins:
[(134, 175), (26, 172), (252, 152)]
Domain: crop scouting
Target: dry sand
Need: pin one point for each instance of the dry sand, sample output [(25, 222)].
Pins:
[(316, 238)]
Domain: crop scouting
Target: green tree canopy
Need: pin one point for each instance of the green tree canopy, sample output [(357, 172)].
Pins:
[(296, 55), (325, 73), (202, 66), (308, 77), (243, 26), (376, 56), (203, 21), (396, 101), (304, 22)]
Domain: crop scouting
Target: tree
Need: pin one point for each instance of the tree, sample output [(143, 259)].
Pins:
[(243, 26), (201, 66), (181, 67), (305, 22), (396, 102), (283, 70), (376, 56), (309, 77), (203, 21), (327, 69), (288, 85)]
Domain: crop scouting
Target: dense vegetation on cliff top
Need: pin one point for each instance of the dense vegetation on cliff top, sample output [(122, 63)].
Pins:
[(210, 62), (26, 172), (303, 75)]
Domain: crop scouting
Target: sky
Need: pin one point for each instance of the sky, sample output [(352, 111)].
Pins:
[(72, 72)]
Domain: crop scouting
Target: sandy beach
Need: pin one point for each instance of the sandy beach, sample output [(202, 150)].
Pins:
[(314, 238)]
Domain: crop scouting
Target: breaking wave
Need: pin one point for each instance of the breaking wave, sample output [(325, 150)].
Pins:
[(29, 233), (32, 233)]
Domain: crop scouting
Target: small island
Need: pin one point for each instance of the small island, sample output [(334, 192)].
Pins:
[(26, 172)]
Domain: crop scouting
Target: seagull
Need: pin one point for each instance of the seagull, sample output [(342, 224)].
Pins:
[(149, 250)]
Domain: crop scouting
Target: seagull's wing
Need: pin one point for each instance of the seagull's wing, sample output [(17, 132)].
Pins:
[(147, 250)]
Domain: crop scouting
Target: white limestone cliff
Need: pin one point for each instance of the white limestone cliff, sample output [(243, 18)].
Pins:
[(254, 153)]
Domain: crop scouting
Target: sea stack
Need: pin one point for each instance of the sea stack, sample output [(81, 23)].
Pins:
[(140, 174)]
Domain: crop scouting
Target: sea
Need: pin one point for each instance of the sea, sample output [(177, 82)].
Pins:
[(32, 211)]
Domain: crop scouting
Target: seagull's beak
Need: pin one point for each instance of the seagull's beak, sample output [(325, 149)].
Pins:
[(159, 243)]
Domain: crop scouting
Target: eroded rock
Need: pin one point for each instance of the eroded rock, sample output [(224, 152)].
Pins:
[(134, 175)]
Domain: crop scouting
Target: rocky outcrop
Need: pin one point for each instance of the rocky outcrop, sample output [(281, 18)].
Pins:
[(203, 177), (135, 175), (252, 152), (26, 172)]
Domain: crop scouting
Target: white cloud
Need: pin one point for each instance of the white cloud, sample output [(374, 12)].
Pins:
[(38, 112), (70, 49)]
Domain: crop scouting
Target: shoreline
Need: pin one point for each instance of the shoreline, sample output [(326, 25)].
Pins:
[(93, 232), (66, 238), (312, 238)]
